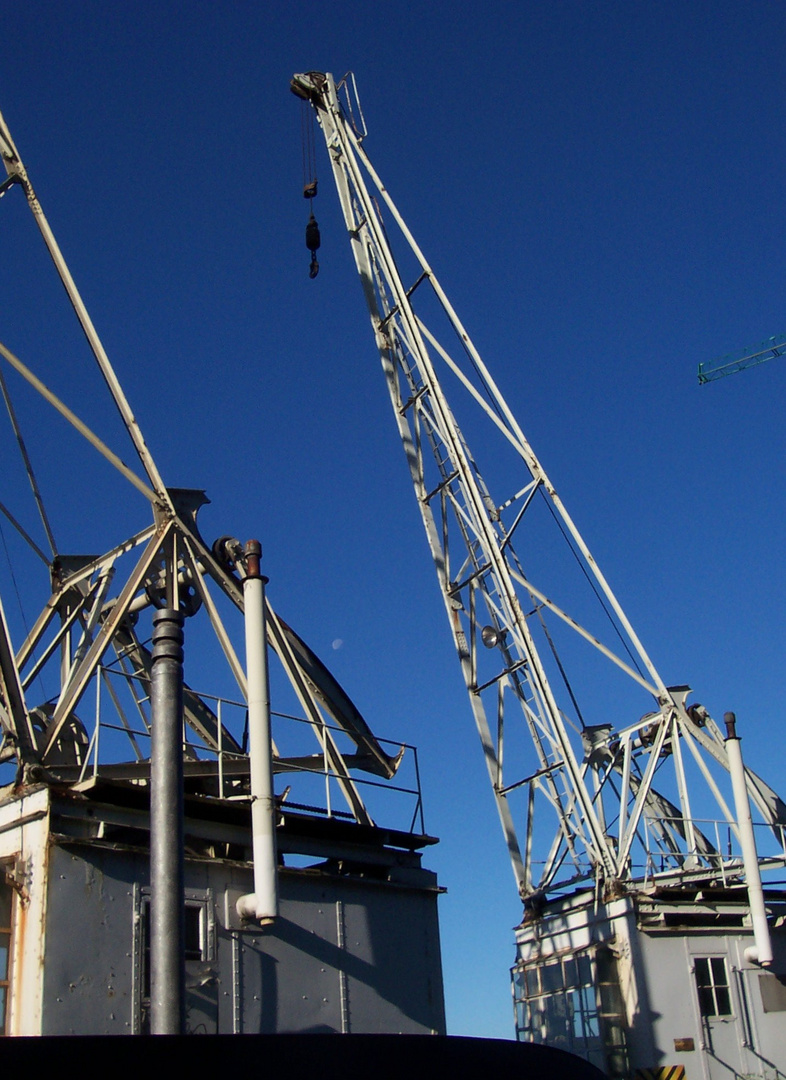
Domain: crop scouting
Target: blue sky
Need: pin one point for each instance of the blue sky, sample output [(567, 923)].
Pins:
[(598, 186)]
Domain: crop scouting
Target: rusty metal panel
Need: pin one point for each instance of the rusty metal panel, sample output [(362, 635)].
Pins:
[(24, 834)]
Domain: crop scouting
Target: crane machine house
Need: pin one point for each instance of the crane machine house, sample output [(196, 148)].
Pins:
[(648, 943), (332, 926)]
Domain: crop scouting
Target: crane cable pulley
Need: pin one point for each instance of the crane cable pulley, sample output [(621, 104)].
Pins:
[(313, 238)]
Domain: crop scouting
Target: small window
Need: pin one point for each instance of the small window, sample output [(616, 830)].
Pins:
[(199, 950), (195, 939), (712, 984)]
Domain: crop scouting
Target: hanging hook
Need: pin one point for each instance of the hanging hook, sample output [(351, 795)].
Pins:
[(313, 241)]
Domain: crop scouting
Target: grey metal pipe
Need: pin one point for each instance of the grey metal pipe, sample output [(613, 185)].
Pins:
[(761, 953), (167, 911)]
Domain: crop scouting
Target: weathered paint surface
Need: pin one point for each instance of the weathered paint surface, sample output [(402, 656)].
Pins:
[(656, 945), (352, 951), (24, 834), (379, 973)]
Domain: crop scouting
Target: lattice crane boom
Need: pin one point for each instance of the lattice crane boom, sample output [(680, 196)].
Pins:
[(598, 779), (89, 642), (730, 364)]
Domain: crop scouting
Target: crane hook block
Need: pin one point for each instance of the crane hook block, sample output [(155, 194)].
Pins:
[(312, 243), (310, 190), (313, 239)]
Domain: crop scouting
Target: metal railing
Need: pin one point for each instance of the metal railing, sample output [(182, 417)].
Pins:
[(316, 778)]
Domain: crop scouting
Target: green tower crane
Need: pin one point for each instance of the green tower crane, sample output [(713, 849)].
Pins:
[(734, 362)]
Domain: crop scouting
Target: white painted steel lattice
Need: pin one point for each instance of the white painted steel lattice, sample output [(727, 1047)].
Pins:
[(88, 649), (619, 791)]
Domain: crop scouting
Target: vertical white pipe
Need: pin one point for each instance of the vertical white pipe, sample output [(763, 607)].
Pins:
[(762, 952), (262, 904)]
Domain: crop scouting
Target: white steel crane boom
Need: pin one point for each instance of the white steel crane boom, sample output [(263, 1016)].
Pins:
[(96, 601), (608, 820)]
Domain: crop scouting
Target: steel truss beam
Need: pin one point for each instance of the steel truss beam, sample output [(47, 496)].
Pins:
[(87, 633), (594, 779)]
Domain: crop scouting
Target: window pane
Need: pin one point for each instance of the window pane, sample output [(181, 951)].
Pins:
[(702, 971), (712, 984), (592, 1026), (193, 941), (723, 1000), (718, 966), (522, 1017), (575, 1002), (536, 1018), (6, 895)]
